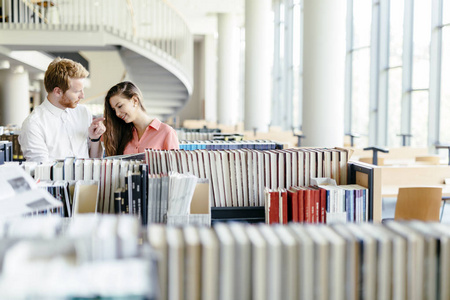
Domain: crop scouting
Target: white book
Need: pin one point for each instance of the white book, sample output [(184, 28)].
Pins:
[(214, 180), (266, 169), (201, 166), (242, 262), (306, 168), (321, 262), (192, 258), (288, 168), (327, 163), (190, 164), (209, 264), (432, 256), (194, 159), (163, 159), (79, 168), (301, 168), (258, 263), (57, 171), (175, 263), (249, 167), (352, 262), (220, 178), (415, 257), (238, 181), (336, 267), (226, 178), (101, 198), (274, 262), (343, 161), (109, 194), (233, 184), (305, 265), (444, 270), (115, 182), (281, 169), (157, 238), (88, 169), (273, 169), (289, 264), (226, 262), (245, 193), (369, 261), (96, 169), (312, 164), (69, 172), (260, 159)]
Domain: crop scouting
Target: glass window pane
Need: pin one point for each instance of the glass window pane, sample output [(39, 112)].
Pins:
[(362, 19), (396, 33), (421, 47), (395, 106), (360, 95), (445, 88), (419, 117), (446, 12)]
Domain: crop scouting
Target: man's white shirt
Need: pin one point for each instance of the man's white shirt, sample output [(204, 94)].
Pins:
[(50, 133)]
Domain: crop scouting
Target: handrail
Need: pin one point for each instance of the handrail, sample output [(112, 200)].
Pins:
[(155, 25)]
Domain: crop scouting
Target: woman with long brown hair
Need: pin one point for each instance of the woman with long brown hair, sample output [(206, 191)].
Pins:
[(129, 129)]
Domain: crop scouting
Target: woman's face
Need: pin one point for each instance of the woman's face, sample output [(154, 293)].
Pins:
[(125, 109)]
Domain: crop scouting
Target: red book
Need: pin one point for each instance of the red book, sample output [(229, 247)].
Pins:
[(274, 207), (292, 199), (323, 205), (284, 205), (301, 205), (309, 210)]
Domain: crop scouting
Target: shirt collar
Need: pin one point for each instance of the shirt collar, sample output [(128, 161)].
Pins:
[(53, 109), (155, 123)]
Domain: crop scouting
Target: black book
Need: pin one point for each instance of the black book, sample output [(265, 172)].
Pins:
[(144, 190), (118, 201)]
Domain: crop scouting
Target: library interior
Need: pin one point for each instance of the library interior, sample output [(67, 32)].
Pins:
[(305, 141)]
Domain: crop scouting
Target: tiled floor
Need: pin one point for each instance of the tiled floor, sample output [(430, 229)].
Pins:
[(388, 210)]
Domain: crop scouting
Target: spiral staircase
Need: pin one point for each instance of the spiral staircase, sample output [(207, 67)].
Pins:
[(152, 39)]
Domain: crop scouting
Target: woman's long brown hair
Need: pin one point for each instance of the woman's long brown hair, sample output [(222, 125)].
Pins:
[(118, 133)]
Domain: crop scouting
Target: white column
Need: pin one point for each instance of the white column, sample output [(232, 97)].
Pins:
[(323, 73), (227, 76), (257, 64), (14, 96), (210, 84)]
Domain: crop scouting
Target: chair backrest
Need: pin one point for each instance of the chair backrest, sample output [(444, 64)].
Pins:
[(418, 203)]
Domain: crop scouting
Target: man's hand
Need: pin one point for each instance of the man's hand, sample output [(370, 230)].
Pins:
[(97, 128)]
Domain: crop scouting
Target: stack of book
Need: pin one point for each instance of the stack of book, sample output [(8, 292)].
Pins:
[(341, 261), (317, 204), (91, 256), (238, 177), (226, 144)]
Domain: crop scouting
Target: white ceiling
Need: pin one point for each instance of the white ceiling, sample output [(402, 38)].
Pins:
[(201, 15)]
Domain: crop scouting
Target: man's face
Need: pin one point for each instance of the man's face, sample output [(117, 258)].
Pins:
[(74, 94)]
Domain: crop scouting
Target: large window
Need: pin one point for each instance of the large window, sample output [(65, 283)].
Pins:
[(398, 70)]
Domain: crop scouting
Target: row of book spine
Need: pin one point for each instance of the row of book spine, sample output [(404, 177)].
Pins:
[(238, 177), (317, 204), (295, 261)]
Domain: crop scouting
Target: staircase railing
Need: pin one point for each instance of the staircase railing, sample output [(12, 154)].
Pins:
[(152, 24)]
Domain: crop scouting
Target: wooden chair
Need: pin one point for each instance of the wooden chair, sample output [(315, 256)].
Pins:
[(418, 203)]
